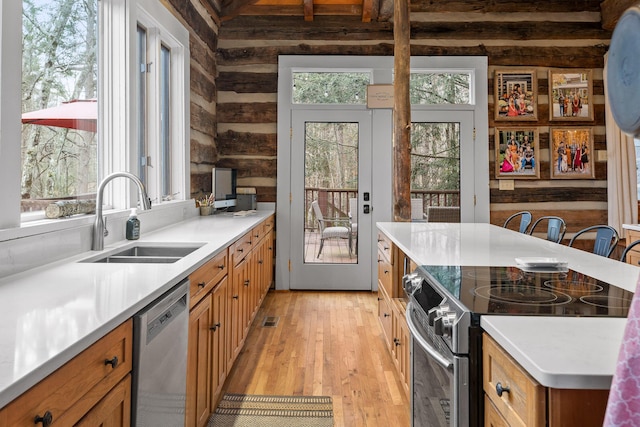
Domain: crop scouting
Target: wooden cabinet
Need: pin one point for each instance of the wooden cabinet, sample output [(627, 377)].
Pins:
[(392, 307), (633, 256), (92, 387), (524, 402), (113, 410), (226, 292)]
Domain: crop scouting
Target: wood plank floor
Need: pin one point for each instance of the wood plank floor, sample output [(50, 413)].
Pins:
[(325, 344)]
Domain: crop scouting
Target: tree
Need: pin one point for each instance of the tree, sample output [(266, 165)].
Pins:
[(59, 62)]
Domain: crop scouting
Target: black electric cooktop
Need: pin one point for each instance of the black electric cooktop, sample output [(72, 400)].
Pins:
[(512, 291)]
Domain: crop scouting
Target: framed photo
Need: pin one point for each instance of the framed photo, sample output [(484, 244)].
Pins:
[(571, 153), (515, 95), (517, 154), (570, 95)]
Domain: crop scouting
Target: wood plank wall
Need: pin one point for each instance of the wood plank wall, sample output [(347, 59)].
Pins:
[(241, 117)]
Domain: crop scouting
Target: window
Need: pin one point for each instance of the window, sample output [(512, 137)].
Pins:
[(330, 87), (141, 123), (434, 88), (59, 97)]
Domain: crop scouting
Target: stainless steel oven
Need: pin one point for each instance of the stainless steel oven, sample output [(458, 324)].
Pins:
[(444, 307)]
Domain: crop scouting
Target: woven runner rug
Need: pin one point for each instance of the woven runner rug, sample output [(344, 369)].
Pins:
[(246, 410)]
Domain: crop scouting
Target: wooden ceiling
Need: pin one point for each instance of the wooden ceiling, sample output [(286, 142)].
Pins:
[(367, 10), (382, 10)]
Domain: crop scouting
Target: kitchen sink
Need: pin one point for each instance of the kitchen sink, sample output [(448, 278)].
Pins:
[(151, 253)]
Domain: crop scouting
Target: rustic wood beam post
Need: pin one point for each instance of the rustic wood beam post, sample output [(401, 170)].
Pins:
[(401, 112)]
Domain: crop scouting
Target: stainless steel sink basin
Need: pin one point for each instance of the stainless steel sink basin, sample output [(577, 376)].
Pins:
[(157, 253)]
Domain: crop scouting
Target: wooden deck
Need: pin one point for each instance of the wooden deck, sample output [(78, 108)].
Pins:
[(334, 251)]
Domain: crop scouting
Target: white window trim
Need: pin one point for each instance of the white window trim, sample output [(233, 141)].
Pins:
[(118, 82)]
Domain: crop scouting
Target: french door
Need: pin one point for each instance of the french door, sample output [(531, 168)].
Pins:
[(331, 200)]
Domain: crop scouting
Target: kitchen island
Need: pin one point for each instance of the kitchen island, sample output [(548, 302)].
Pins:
[(54, 312), (554, 359), (550, 339)]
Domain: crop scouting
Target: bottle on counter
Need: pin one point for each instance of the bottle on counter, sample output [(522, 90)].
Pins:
[(133, 226)]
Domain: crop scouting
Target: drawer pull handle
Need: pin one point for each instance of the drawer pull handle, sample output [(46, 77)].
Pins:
[(235, 297), (501, 389), (386, 272), (396, 341), (246, 282), (201, 284), (221, 266), (387, 315), (260, 261), (46, 419), (214, 327), (240, 250), (113, 362)]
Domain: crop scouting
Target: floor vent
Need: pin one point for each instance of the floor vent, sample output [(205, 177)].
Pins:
[(270, 322)]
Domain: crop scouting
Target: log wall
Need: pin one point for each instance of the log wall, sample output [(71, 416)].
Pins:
[(234, 84)]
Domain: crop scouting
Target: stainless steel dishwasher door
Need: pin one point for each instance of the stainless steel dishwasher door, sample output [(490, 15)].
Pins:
[(160, 360)]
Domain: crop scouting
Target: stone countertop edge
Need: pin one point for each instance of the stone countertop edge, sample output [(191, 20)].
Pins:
[(216, 231), (561, 352)]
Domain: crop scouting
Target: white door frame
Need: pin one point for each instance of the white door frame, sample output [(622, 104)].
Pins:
[(381, 68)]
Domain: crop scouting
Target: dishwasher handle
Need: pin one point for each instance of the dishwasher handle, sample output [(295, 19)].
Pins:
[(165, 311)]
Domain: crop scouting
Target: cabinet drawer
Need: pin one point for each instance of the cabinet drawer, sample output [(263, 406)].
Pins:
[(71, 391), (240, 248), (492, 417), (205, 278), (269, 224), (385, 275), (384, 314), (385, 247), (524, 403)]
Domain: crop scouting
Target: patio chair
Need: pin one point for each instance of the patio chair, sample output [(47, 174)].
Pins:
[(443, 214), (417, 210), (333, 231), (605, 242), (556, 227), (353, 217), (525, 220)]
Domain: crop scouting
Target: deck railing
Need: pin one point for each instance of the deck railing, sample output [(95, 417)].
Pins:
[(334, 202)]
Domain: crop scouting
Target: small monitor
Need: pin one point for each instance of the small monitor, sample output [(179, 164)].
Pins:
[(224, 187)]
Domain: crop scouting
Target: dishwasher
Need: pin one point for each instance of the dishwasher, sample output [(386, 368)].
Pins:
[(160, 360)]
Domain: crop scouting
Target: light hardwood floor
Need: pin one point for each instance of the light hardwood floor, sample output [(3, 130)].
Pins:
[(325, 344)]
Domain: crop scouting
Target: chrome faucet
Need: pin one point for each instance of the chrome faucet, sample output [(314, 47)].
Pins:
[(98, 225)]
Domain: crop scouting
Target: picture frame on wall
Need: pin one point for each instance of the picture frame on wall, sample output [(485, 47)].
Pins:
[(515, 95), (570, 95), (571, 153), (517, 153)]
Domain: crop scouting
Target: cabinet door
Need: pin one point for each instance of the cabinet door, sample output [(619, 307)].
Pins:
[(404, 352), (492, 417), (218, 340), (114, 410), (236, 301), (384, 314), (198, 366)]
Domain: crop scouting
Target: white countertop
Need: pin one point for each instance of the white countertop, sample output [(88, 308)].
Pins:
[(561, 352), (51, 313)]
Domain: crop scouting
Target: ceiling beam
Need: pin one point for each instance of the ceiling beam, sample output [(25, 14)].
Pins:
[(612, 10), (308, 10), (232, 8)]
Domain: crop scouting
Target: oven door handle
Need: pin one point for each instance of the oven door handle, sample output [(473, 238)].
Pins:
[(446, 363)]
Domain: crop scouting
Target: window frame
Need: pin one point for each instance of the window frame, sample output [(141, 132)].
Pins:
[(117, 116)]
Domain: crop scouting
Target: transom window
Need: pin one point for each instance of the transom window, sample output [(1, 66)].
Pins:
[(330, 87), (436, 88)]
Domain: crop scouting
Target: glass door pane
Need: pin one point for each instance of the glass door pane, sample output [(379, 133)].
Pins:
[(331, 190), (441, 178)]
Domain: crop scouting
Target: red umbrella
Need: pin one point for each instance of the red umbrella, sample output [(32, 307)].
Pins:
[(77, 114)]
